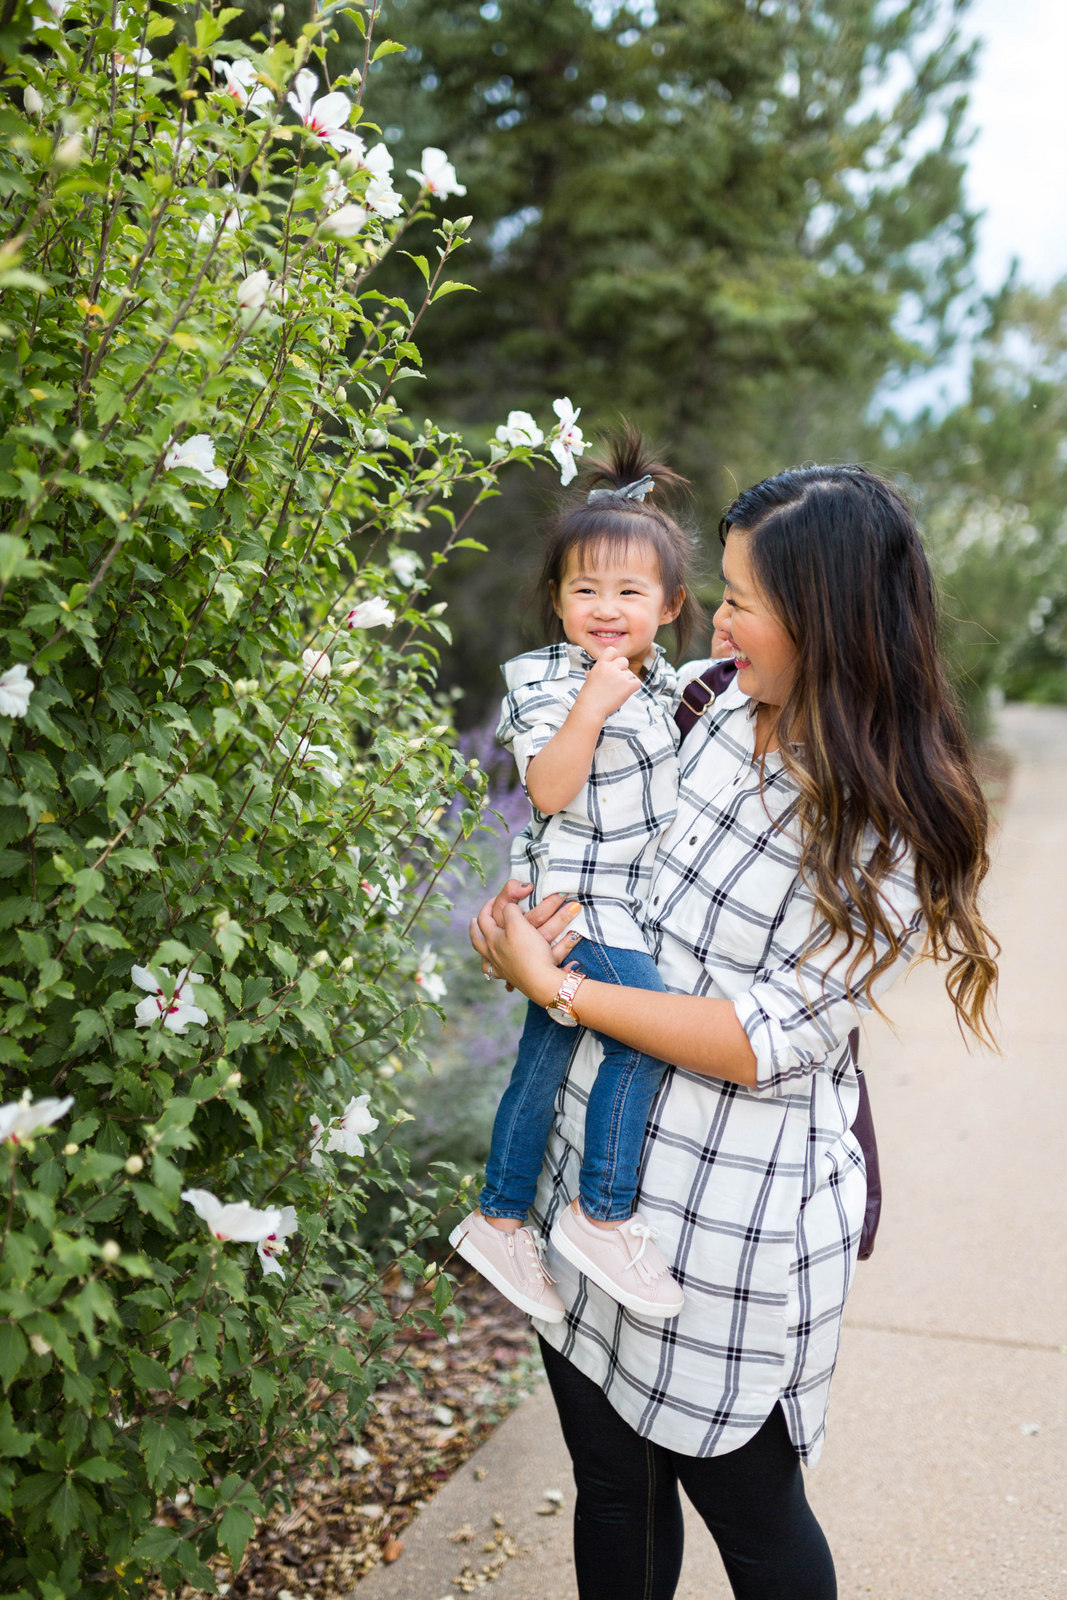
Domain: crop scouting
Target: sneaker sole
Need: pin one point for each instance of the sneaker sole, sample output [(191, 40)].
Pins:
[(462, 1244), (633, 1302)]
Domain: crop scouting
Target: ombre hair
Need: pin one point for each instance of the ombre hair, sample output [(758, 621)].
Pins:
[(870, 731), (608, 528)]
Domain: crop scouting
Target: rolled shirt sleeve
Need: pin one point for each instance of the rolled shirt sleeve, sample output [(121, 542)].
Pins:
[(797, 1012), (532, 712), (527, 723)]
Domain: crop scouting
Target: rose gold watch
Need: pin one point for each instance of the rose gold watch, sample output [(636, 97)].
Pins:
[(562, 1008)]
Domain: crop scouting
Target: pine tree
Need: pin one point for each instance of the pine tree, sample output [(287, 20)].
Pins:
[(728, 220)]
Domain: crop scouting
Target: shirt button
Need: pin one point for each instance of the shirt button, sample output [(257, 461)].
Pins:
[(656, 901), (693, 840)]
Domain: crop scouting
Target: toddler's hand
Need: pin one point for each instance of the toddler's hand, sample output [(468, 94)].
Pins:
[(609, 683)]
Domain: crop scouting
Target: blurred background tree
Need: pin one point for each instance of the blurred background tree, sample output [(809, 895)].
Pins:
[(994, 477), (744, 227), (731, 223)]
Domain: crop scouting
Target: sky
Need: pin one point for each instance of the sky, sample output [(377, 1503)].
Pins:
[(1018, 165), (1017, 169)]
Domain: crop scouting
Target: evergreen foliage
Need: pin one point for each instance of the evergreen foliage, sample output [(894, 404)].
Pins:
[(994, 476), (713, 216)]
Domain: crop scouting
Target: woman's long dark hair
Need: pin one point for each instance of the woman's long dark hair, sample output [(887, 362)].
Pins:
[(870, 729), (610, 527)]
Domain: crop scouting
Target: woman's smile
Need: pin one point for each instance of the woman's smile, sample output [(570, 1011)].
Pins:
[(766, 656)]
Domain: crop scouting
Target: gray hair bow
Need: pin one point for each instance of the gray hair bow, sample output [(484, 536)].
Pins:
[(629, 491)]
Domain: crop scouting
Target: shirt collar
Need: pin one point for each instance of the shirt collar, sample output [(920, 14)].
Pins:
[(579, 660)]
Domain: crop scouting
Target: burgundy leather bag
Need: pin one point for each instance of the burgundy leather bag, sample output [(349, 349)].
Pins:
[(699, 695)]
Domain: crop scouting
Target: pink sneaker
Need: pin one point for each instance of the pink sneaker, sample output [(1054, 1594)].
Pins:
[(623, 1261), (512, 1263)]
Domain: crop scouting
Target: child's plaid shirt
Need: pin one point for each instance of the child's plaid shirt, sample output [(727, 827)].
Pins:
[(599, 849)]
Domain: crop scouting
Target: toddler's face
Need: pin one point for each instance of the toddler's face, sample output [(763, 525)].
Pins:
[(614, 601)]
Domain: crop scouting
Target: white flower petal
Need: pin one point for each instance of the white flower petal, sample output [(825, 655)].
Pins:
[(238, 1221)]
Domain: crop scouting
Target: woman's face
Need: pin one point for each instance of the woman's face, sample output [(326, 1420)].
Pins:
[(766, 656)]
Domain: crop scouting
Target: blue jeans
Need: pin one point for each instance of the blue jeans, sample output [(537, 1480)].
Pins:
[(615, 1117)]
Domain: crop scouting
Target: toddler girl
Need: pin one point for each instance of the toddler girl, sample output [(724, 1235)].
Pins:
[(590, 722)]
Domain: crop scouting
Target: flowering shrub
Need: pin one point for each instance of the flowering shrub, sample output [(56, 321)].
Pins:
[(228, 792)]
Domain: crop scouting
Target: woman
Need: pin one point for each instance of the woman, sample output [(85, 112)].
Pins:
[(830, 829)]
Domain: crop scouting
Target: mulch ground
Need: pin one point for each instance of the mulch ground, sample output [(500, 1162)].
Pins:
[(338, 1528)]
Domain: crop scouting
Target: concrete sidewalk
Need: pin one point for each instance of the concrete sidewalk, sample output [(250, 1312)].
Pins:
[(945, 1469)]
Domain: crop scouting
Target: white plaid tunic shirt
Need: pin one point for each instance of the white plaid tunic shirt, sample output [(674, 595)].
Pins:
[(758, 1194), (600, 849)]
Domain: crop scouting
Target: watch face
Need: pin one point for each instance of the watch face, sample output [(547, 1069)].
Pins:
[(565, 1017)]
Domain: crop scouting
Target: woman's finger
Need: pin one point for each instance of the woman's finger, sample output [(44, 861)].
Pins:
[(478, 939), (545, 909), (559, 922), (488, 926), (512, 894), (560, 951)]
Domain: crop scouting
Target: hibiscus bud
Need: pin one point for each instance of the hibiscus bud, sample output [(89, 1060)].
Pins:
[(134, 1165), (278, 13), (431, 1271), (39, 1346), (79, 441), (320, 958), (220, 919), (347, 964), (110, 1250), (32, 101), (473, 763), (70, 1149), (340, 393), (317, 662), (233, 1081)]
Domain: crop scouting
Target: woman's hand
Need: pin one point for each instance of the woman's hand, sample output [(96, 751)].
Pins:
[(524, 949)]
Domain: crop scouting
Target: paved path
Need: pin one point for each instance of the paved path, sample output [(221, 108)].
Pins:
[(945, 1469)]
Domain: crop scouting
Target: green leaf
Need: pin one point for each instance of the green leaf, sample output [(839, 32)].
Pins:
[(264, 1388), (156, 1545), (65, 1509), (230, 938), (148, 1372), (160, 1439), (13, 554), (236, 1527), (97, 1469), (451, 286), (151, 1201), (13, 1352), (136, 860), (12, 1442)]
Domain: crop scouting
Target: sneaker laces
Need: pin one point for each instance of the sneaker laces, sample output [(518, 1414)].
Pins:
[(536, 1245), (642, 1231)]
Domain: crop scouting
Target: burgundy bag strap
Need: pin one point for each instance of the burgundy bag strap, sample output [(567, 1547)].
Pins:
[(863, 1128), (701, 693)]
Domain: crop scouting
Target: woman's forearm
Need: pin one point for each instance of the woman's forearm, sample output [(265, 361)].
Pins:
[(692, 1031)]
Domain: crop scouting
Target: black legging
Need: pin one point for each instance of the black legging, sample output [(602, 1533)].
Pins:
[(628, 1517)]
